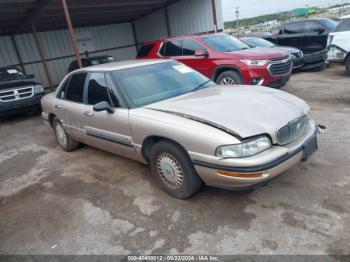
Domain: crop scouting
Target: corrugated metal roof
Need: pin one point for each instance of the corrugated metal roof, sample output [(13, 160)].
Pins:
[(15, 14)]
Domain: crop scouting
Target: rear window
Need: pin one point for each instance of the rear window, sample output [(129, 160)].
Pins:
[(75, 88), (294, 28), (171, 48), (343, 26), (145, 50), (329, 23)]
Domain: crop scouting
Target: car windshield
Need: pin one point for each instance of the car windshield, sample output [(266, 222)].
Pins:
[(9, 74), (257, 42), (329, 23), (343, 26), (224, 43), (149, 84)]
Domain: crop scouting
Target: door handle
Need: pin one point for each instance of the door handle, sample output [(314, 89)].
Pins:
[(58, 106), (88, 113)]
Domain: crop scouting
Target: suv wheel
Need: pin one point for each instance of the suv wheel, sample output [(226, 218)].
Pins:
[(63, 139), (347, 65), (173, 170), (229, 78)]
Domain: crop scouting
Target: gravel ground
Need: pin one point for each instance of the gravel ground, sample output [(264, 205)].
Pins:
[(93, 202)]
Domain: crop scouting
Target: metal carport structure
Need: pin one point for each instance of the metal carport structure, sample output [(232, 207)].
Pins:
[(39, 27)]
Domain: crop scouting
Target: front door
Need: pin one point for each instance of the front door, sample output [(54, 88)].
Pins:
[(106, 130), (199, 63)]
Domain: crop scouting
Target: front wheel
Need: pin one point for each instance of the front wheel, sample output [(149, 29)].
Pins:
[(229, 77), (174, 170)]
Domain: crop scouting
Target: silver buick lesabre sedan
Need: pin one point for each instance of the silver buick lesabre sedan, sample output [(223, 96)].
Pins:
[(188, 129)]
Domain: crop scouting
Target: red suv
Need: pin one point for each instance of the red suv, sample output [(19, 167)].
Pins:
[(224, 59)]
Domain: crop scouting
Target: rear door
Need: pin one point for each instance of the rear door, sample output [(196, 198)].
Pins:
[(69, 105), (108, 131), (293, 35)]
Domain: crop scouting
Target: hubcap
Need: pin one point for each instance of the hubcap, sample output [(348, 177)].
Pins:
[(228, 81), (61, 135), (170, 171)]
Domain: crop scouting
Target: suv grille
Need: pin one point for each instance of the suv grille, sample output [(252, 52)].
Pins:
[(280, 66), (16, 94), (292, 130), (298, 54)]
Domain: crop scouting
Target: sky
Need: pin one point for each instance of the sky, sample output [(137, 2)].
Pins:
[(251, 8)]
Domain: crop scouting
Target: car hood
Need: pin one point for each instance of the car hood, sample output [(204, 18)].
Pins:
[(258, 53), (16, 84), (288, 49), (245, 110)]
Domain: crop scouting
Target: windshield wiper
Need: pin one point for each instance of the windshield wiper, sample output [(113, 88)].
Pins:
[(200, 85)]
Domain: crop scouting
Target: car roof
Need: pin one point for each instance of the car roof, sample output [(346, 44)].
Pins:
[(122, 65), (194, 36)]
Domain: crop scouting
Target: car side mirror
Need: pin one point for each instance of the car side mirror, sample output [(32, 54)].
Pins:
[(103, 106), (30, 76), (201, 53)]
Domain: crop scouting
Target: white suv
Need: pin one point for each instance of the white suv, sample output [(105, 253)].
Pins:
[(339, 44)]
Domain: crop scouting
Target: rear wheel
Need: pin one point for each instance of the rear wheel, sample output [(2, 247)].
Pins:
[(229, 77), (347, 65), (174, 170), (63, 139)]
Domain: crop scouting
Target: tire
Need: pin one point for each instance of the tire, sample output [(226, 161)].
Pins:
[(67, 143), (174, 170), (347, 65), (229, 77)]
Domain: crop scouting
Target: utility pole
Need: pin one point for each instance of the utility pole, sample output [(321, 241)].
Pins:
[(237, 21)]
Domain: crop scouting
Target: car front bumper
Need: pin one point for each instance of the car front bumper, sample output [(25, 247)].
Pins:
[(314, 60), (241, 173), (20, 106)]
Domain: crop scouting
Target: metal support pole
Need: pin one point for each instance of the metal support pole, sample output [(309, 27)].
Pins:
[(168, 28), (41, 53), (135, 36), (18, 55), (215, 19), (71, 33)]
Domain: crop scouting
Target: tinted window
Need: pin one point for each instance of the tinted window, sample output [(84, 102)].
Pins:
[(62, 92), (224, 43), (75, 88), (172, 48), (313, 27), (343, 26), (148, 84), (97, 89), (294, 28), (145, 50), (191, 46)]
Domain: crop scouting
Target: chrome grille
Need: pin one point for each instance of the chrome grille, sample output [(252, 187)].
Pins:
[(292, 130), (298, 54), (283, 68), (16, 94)]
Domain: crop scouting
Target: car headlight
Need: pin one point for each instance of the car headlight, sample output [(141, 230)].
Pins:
[(245, 149), (254, 62), (38, 89)]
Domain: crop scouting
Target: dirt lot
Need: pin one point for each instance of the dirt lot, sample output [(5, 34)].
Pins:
[(92, 202)]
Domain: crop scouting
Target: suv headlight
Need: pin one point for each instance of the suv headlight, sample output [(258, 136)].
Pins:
[(245, 149), (254, 62), (38, 89)]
